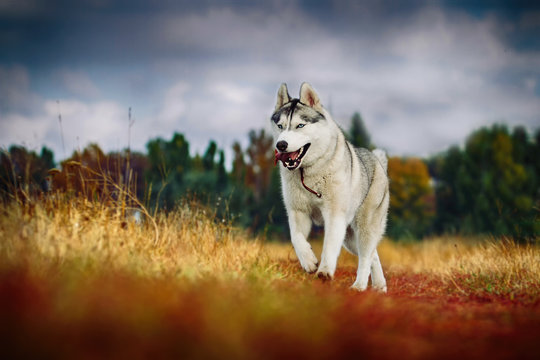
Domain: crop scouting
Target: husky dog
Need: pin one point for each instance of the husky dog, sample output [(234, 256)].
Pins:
[(326, 181)]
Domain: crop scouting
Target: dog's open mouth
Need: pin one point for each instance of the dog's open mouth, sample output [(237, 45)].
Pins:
[(292, 160)]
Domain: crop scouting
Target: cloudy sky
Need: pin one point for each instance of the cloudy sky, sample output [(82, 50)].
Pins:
[(423, 74)]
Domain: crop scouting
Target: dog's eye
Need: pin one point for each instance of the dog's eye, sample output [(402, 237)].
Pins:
[(280, 126), (299, 126)]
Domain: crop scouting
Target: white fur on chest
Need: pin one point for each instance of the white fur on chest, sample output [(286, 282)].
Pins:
[(338, 194)]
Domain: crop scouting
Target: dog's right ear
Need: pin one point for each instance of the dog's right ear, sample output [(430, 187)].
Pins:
[(309, 97), (283, 96)]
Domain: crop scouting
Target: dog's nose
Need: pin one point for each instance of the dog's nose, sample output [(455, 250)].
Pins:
[(282, 145)]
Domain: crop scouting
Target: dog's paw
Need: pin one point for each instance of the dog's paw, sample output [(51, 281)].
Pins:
[(358, 287), (308, 260), (380, 287), (324, 276), (324, 273)]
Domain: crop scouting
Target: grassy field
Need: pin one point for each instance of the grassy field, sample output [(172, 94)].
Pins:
[(80, 280)]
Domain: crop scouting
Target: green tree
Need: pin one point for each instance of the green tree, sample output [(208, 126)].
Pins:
[(47, 158), (209, 155), (240, 196), (169, 162), (222, 178), (23, 172), (489, 187), (256, 194), (446, 168), (358, 134)]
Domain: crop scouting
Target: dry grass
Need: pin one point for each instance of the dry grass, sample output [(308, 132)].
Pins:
[(85, 236), (498, 265), (92, 237), (501, 263), (80, 280), (446, 257)]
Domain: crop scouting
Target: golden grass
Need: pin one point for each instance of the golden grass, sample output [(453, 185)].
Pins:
[(92, 237), (486, 262), (89, 237), (79, 280)]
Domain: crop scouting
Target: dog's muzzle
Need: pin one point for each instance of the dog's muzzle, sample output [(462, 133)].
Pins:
[(291, 160)]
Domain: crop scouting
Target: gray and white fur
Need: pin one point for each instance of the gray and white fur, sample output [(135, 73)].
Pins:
[(351, 183)]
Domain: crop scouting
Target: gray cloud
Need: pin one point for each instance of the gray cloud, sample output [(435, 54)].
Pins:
[(422, 75)]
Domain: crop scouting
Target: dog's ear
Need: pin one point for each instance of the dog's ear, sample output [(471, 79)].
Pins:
[(309, 97), (283, 96)]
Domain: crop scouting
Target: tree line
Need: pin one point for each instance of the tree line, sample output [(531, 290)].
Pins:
[(489, 186)]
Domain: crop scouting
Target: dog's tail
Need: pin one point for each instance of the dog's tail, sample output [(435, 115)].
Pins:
[(381, 156)]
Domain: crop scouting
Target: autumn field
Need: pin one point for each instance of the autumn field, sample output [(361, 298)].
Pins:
[(81, 279)]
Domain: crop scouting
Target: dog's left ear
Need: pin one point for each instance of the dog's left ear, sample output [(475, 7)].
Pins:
[(283, 96), (309, 97)]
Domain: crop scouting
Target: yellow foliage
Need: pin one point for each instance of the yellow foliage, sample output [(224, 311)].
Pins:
[(412, 200), (410, 182)]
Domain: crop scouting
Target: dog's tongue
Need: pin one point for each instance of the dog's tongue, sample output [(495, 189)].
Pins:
[(293, 155), (285, 156)]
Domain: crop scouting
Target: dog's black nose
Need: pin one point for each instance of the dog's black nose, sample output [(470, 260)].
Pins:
[(282, 145)]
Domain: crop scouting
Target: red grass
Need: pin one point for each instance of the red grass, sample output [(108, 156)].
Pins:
[(121, 316)]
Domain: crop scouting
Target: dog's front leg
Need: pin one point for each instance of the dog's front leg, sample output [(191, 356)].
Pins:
[(300, 225), (335, 227)]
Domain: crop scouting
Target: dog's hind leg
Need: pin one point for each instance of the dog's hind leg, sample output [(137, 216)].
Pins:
[(300, 225), (370, 226), (377, 276), (378, 282), (368, 258), (366, 250)]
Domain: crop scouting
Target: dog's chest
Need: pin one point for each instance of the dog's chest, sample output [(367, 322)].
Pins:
[(340, 191), (297, 198), (298, 195)]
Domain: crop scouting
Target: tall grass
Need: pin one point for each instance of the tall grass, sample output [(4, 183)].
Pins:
[(61, 232), (84, 235), (86, 279), (470, 264), (499, 265)]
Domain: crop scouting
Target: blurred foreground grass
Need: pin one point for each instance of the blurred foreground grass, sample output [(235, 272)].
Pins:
[(78, 278)]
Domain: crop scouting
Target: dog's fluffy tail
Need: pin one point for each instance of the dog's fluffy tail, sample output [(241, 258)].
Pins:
[(381, 156)]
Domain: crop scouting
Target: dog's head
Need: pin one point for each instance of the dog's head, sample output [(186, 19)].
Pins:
[(300, 127)]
